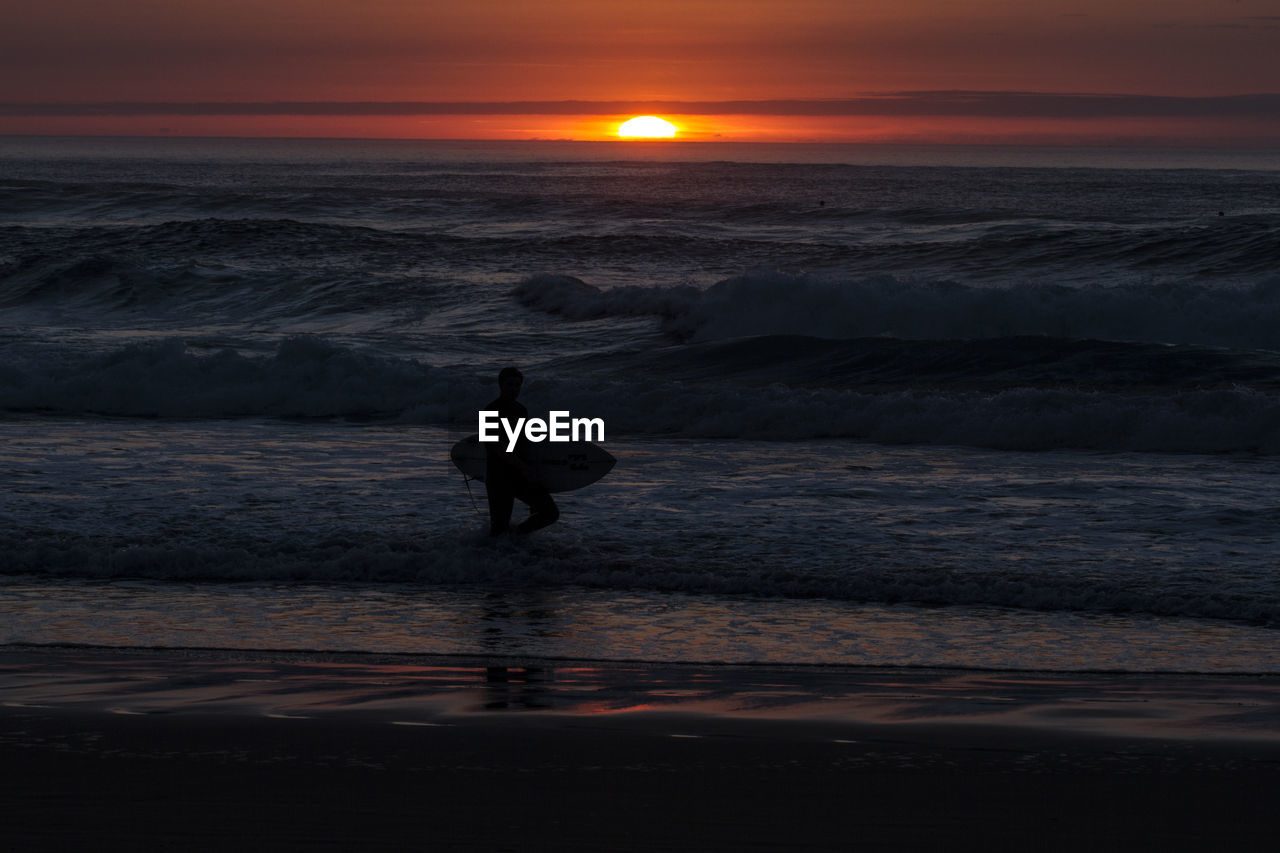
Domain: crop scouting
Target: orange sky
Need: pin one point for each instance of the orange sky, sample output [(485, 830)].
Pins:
[(60, 60)]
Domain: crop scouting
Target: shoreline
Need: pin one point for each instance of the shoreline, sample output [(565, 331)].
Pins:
[(150, 750), (150, 681)]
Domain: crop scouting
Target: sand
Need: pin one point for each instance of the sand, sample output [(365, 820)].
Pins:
[(115, 750)]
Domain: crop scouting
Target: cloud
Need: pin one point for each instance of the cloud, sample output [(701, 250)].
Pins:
[(928, 103)]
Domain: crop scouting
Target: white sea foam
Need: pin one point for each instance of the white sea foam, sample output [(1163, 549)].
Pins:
[(290, 502)]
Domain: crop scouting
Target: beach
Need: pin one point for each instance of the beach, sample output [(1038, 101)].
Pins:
[(168, 749), (887, 413), (943, 514)]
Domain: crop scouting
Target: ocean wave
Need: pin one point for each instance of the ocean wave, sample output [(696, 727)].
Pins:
[(305, 377), (185, 241), (983, 364), (779, 303), (1027, 419), (243, 270), (312, 377), (1244, 246), (465, 557)]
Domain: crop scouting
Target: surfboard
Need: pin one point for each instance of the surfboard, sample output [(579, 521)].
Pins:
[(562, 466)]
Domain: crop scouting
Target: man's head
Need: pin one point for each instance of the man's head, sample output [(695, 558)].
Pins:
[(509, 381)]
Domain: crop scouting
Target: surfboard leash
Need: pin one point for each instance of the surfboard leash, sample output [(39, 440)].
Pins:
[(474, 505)]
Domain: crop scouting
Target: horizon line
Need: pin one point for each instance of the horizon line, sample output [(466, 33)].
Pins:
[(1136, 143)]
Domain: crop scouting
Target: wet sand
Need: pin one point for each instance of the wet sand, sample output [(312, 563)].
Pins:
[(207, 751)]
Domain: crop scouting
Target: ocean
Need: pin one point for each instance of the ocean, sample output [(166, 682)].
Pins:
[(972, 408)]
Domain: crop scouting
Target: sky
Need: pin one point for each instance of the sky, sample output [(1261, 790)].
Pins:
[(975, 71)]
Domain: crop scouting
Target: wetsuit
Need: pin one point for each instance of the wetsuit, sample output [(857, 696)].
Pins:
[(504, 481)]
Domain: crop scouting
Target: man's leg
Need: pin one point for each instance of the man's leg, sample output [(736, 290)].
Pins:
[(501, 500), (542, 509)]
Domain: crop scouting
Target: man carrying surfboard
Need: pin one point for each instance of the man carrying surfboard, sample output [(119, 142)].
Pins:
[(509, 474)]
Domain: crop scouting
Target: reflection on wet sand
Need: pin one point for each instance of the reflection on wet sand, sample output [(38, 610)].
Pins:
[(444, 691), (517, 688), (503, 623)]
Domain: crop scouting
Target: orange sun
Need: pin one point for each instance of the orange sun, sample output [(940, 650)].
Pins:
[(647, 127)]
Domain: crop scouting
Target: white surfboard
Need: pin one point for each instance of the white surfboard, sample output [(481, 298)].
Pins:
[(561, 466)]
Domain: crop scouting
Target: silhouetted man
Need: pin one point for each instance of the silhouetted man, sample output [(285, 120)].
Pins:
[(509, 474)]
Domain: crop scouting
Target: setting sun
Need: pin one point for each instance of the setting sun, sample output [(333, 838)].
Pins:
[(648, 127)]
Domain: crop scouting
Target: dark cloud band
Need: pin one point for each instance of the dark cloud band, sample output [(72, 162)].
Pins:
[(948, 103)]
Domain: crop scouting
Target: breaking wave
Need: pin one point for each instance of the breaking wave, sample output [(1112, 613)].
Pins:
[(991, 404), (777, 303)]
